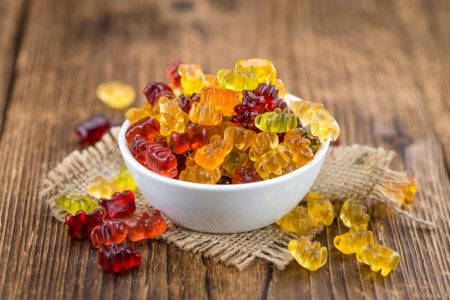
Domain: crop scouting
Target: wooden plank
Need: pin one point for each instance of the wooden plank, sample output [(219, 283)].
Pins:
[(13, 16), (354, 57)]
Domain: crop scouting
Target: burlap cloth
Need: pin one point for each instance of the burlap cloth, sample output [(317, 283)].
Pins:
[(350, 171)]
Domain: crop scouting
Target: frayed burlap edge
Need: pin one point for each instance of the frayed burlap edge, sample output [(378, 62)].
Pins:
[(355, 171)]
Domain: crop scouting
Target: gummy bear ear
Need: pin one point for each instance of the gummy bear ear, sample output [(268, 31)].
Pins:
[(337, 241)]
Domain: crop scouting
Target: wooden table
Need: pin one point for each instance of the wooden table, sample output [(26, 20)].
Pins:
[(383, 68)]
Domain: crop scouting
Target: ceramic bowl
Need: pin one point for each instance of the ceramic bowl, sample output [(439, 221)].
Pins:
[(223, 208)]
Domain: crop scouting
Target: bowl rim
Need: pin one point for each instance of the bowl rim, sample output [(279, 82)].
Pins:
[(129, 158)]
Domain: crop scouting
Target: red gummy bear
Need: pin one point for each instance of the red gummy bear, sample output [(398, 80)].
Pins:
[(172, 73), (117, 258), (121, 205), (161, 160), (186, 102), (110, 232), (194, 137), (154, 90), (245, 175), (146, 226), (81, 224), (138, 147), (147, 128), (92, 129)]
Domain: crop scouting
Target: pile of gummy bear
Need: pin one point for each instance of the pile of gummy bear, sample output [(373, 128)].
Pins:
[(229, 128), (359, 240), (109, 221)]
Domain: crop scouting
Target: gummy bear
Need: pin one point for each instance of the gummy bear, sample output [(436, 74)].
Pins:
[(146, 226), (298, 221), (192, 79), (236, 80), (276, 121), (240, 137), (278, 83), (138, 147), (405, 193), (186, 102), (409, 191), (197, 174), (92, 129), (273, 161), (109, 232), (117, 258), (121, 205), (195, 137), (378, 257), (263, 142), (299, 146), (171, 117), (136, 114), (263, 69), (245, 175), (148, 128), (101, 188), (205, 114), (354, 213), (212, 155), (81, 224), (322, 123), (269, 94), (72, 203), (309, 255), (233, 160), (155, 90), (320, 207), (123, 181), (223, 99), (161, 160), (115, 94), (354, 240), (172, 73)]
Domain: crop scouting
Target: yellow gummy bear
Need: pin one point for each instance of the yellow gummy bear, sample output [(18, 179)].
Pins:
[(281, 88), (273, 161), (236, 80), (378, 257), (123, 181), (354, 213), (354, 240), (233, 160), (197, 174), (299, 146), (192, 79), (211, 156), (116, 94), (404, 193), (320, 207), (298, 221), (309, 255), (322, 123), (240, 137), (263, 69), (205, 114), (136, 114), (225, 100), (171, 117), (276, 121), (101, 188), (72, 203), (263, 142)]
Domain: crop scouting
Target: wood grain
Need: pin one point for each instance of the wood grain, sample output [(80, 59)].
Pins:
[(381, 67)]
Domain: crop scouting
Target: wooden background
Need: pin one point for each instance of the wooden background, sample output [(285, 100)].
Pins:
[(382, 67)]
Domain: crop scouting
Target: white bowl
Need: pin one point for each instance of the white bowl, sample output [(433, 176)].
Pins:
[(223, 208)]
